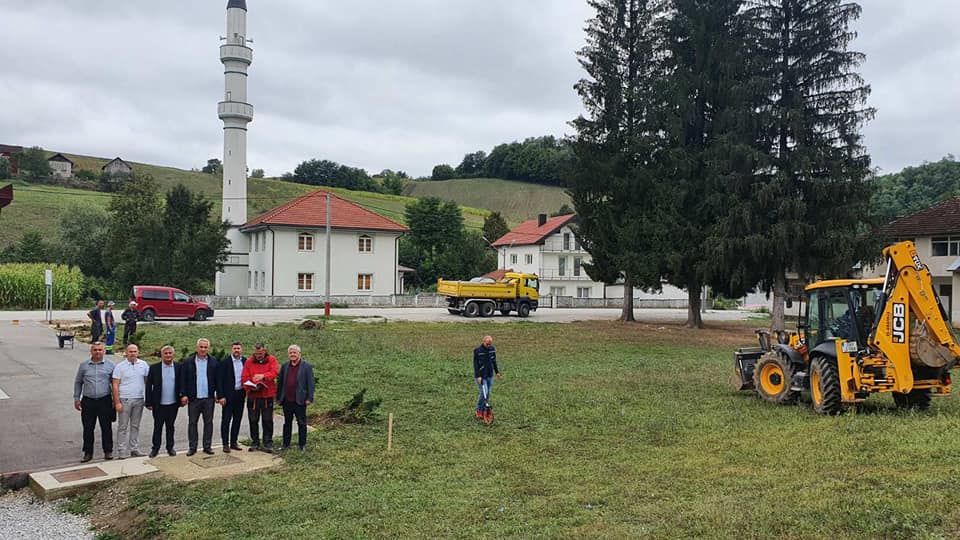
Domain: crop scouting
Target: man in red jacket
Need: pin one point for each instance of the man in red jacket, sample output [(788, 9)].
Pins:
[(259, 379)]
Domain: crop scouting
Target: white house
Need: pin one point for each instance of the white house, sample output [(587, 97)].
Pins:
[(548, 247), (288, 250), (60, 166)]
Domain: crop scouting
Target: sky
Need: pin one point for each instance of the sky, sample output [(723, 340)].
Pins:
[(400, 84)]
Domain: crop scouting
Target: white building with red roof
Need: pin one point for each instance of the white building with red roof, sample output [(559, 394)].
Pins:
[(287, 254)]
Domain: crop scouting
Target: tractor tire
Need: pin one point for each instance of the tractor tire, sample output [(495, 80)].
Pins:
[(148, 315), (825, 385), (915, 399), (471, 310), (486, 309), (773, 377)]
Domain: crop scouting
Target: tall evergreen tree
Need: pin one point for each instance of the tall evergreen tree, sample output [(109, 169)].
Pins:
[(614, 186), (807, 209)]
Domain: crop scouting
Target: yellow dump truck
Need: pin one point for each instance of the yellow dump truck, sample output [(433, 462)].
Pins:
[(514, 292)]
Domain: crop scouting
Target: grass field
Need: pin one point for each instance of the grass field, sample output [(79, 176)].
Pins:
[(516, 201), (39, 207), (603, 430)]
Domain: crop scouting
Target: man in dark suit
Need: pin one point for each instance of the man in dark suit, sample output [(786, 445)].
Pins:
[(295, 393), (163, 390), (198, 391), (232, 397)]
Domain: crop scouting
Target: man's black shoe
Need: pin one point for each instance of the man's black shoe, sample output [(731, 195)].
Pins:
[(268, 449), (208, 451), (86, 458), (191, 452), (171, 452), (235, 446), (226, 449), (253, 448), (153, 453), (108, 455)]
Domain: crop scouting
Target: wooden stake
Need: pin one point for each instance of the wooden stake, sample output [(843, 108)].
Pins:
[(390, 433)]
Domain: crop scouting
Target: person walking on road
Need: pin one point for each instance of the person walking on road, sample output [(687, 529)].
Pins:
[(93, 397), (232, 396), (130, 317), (295, 393), (259, 379), (96, 322), (484, 368), (110, 327), (129, 386), (198, 391), (163, 390)]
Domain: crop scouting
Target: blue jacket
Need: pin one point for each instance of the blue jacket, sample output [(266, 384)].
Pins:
[(485, 362)]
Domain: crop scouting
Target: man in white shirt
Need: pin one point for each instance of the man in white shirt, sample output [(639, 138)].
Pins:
[(129, 385)]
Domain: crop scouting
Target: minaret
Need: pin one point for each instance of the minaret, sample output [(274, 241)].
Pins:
[(236, 113)]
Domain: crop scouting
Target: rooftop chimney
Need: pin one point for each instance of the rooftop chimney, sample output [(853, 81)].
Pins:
[(541, 220)]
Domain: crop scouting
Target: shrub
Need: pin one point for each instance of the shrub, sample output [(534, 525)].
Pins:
[(21, 286)]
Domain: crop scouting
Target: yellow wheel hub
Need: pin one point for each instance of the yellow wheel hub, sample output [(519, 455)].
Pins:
[(771, 379), (815, 387)]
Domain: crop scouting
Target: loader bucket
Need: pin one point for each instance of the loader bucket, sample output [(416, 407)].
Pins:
[(744, 360)]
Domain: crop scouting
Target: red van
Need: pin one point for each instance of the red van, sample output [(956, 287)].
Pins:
[(154, 302)]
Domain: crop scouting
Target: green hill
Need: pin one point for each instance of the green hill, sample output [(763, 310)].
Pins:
[(39, 206), (516, 201)]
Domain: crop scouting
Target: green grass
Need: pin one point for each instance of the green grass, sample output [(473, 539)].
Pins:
[(603, 430), (39, 207), (516, 201)]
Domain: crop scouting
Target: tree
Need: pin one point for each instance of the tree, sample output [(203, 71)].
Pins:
[(807, 208), (564, 210), (443, 172), (915, 188), (197, 245), (33, 163), (213, 166), (330, 173), (472, 164), (614, 183), (84, 238), (31, 248), (257, 173), (4, 168), (494, 227), (436, 227)]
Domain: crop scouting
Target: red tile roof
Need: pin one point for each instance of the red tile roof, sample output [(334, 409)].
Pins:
[(498, 274), (943, 218), (310, 210), (529, 232)]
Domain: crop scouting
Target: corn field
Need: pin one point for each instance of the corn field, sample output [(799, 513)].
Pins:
[(21, 286)]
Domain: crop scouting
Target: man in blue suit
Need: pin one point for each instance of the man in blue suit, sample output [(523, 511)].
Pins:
[(198, 391)]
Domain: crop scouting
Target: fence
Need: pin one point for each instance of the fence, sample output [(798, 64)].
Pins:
[(421, 300)]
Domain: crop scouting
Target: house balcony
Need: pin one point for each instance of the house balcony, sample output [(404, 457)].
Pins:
[(553, 274), (557, 246), (235, 110), (236, 53)]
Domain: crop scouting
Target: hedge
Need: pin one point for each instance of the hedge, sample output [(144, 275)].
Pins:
[(22, 287)]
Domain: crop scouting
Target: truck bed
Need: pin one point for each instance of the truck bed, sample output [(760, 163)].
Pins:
[(466, 289)]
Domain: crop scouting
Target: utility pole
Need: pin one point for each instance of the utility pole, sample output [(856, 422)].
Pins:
[(326, 301)]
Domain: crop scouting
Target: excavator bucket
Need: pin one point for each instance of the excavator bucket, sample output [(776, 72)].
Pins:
[(744, 360)]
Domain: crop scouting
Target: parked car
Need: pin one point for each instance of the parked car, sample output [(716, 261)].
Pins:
[(154, 301)]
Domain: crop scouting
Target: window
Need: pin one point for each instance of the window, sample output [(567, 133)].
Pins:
[(180, 297), (364, 282), (513, 258), (256, 281), (304, 282), (945, 245), (528, 258), (566, 241), (249, 279), (305, 242), (558, 291), (576, 244), (365, 244), (562, 270), (533, 283), (153, 294), (583, 292), (577, 262)]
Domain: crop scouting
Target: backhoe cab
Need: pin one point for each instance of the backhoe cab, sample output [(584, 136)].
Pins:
[(858, 337)]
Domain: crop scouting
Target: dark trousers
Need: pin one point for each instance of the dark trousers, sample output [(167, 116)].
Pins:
[(260, 411), (95, 332), (92, 411), (231, 417), (128, 330), (291, 409), (195, 409), (163, 417)]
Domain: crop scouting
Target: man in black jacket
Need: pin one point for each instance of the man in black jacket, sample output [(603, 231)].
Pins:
[(484, 367), (232, 397), (198, 391), (295, 388), (163, 391), (130, 317)]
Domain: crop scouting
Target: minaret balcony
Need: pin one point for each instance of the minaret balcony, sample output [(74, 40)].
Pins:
[(235, 110), (236, 53)]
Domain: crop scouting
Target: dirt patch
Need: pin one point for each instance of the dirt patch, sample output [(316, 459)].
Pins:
[(112, 514)]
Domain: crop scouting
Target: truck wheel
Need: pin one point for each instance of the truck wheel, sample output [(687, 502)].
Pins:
[(486, 309), (148, 315), (523, 310), (471, 309), (916, 399), (200, 315), (773, 377), (825, 385)]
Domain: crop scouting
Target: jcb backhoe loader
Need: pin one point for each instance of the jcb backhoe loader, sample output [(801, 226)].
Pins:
[(859, 337)]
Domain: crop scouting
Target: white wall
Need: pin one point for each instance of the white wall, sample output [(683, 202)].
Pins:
[(61, 169)]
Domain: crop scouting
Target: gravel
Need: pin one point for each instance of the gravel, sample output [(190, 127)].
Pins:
[(24, 516)]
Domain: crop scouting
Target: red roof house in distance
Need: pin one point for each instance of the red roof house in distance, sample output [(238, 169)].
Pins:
[(9, 153), (288, 249)]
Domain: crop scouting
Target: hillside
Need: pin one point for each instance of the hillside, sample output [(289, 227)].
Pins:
[(516, 201), (39, 206)]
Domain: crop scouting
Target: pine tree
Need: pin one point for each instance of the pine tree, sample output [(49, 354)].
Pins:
[(614, 184), (808, 207)]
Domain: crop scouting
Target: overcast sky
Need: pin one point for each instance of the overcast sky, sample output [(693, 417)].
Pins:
[(400, 84)]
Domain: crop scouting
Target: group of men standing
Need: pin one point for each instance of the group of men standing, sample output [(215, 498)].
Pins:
[(103, 323), (105, 391)]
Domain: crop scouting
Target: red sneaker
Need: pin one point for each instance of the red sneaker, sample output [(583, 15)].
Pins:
[(479, 413), (488, 417)]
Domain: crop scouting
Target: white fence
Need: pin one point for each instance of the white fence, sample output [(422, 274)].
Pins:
[(420, 300)]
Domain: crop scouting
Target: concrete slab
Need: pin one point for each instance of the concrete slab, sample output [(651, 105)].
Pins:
[(57, 483), (202, 466)]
